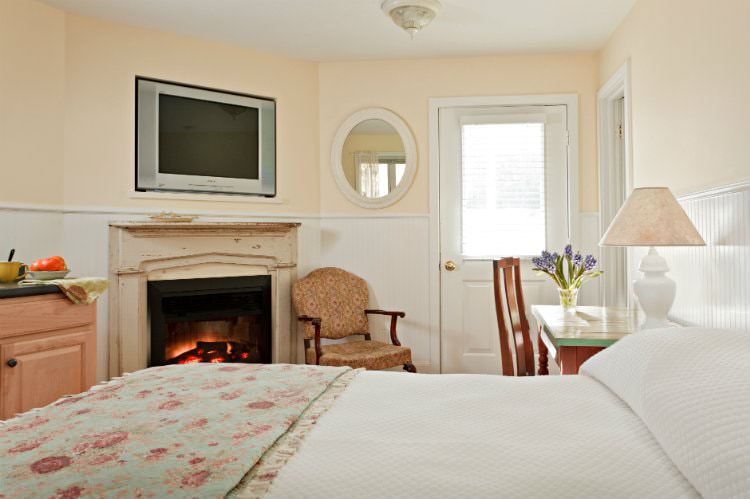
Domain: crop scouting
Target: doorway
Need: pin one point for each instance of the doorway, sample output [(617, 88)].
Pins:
[(615, 181), (505, 184)]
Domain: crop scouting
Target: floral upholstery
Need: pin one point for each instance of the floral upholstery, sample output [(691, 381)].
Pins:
[(367, 354), (338, 297)]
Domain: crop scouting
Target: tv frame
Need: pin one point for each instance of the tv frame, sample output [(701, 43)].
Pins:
[(266, 189)]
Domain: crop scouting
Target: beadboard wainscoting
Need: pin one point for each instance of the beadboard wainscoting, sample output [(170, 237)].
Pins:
[(713, 282), (389, 251), (30, 230), (392, 254)]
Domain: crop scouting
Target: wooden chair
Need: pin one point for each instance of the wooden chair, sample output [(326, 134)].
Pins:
[(510, 305), (332, 303)]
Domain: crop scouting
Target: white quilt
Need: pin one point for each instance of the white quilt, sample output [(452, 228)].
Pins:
[(393, 435), (691, 388)]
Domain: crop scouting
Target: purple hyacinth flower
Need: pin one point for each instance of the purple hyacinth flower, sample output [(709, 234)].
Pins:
[(569, 251), (537, 261), (589, 263), (577, 260)]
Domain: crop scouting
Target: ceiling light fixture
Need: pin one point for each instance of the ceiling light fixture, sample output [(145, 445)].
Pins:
[(411, 15)]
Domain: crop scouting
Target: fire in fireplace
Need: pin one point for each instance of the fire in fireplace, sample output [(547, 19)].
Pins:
[(210, 320), (215, 351)]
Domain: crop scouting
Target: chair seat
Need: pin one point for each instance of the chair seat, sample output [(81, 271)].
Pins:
[(368, 354)]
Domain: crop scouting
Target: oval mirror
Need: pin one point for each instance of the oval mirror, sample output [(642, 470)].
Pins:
[(373, 158)]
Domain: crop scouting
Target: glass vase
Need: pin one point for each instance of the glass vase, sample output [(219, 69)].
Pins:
[(568, 300)]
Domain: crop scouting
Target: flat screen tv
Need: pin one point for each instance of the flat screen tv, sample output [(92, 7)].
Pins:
[(195, 139)]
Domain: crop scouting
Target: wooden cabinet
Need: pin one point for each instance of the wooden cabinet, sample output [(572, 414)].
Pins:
[(47, 350)]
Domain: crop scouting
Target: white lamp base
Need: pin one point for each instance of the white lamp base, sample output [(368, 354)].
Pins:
[(655, 291)]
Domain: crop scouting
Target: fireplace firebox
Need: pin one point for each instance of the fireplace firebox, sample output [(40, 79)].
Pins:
[(210, 320)]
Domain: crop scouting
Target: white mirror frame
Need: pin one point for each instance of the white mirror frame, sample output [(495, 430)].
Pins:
[(410, 151)]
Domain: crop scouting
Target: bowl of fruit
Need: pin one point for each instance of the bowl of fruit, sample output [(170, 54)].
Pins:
[(46, 269)]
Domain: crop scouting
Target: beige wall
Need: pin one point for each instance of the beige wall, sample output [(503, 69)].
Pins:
[(690, 63), (67, 96), (75, 95), (102, 61), (404, 87), (32, 82)]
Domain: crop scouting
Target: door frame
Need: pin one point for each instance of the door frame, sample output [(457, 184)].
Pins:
[(434, 105), (617, 87)]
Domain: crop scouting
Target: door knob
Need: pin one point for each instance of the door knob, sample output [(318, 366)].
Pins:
[(12, 363), (450, 265)]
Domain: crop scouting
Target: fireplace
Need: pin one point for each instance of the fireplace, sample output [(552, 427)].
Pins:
[(210, 320), (158, 252)]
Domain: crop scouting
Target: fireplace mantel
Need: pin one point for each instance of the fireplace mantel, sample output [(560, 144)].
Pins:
[(175, 229), (149, 251)]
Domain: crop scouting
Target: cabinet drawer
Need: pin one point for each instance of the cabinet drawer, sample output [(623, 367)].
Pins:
[(36, 372), (38, 314)]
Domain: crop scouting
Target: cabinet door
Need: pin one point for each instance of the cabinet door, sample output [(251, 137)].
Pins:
[(37, 372)]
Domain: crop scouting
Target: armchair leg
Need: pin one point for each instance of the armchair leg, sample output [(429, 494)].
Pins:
[(410, 367)]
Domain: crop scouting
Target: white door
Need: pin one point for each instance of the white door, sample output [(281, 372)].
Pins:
[(503, 192)]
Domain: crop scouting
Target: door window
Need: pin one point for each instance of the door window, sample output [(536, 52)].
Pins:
[(503, 198)]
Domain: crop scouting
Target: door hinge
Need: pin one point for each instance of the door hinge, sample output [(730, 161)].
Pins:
[(620, 132), (567, 138)]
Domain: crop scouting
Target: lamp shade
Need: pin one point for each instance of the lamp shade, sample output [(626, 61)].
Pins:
[(651, 216)]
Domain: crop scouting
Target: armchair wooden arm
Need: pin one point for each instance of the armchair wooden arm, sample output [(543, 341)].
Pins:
[(394, 319), (316, 324)]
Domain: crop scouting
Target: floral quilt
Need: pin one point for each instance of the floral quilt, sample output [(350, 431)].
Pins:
[(180, 431)]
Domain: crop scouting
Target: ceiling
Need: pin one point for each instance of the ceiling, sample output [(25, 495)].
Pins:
[(344, 30)]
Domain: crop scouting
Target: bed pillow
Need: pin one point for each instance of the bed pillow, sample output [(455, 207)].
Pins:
[(691, 387)]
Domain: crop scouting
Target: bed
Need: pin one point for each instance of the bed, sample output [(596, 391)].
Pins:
[(662, 414)]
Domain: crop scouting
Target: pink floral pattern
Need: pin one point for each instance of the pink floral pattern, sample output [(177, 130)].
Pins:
[(178, 431)]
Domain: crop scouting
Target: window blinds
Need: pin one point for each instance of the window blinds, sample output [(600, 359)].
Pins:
[(503, 176)]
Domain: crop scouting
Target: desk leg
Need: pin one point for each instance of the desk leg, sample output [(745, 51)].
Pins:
[(571, 358), (543, 361)]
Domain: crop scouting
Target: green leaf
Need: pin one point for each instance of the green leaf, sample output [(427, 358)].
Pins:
[(560, 273), (541, 272)]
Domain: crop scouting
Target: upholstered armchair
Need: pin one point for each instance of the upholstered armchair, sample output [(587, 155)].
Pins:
[(332, 303)]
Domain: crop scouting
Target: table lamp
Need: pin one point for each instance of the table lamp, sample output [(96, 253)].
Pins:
[(651, 216)]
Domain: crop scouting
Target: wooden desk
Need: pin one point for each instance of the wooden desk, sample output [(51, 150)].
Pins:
[(573, 339)]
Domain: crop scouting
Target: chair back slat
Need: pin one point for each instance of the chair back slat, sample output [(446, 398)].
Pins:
[(514, 319), (509, 305), (529, 349), (505, 356)]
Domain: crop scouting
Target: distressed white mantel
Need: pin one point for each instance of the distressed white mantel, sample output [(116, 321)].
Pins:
[(148, 251)]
